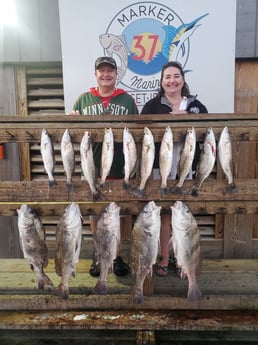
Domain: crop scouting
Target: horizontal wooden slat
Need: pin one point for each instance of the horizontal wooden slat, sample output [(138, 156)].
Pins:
[(219, 324), (46, 103), (45, 92), (44, 81), (211, 193), (30, 131), (44, 70)]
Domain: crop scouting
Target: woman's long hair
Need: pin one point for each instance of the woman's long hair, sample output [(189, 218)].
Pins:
[(185, 89)]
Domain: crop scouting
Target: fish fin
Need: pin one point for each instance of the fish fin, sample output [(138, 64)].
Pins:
[(100, 288), (194, 293)]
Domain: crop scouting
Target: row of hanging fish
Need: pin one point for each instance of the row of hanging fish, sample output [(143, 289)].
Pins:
[(205, 165), (185, 242), (204, 168)]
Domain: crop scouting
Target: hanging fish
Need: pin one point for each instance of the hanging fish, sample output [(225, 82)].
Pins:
[(186, 159), (68, 246), (186, 245), (107, 155), (207, 161), (68, 157), (130, 156), (165, 158), (107, 241), (47, 153), (87, 163), (225, 158), (147, 160), (33, 244), (144, 248)]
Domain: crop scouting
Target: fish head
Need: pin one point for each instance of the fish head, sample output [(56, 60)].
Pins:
[(151, 209), (106, 40), (108, 135), (181, 207), (210, 134), (168, 135), (224, 136), (182, 218), (66, 136), (148, 137), (44, 136), (72, 210), (85, 142), (26, 215), (112, 207)]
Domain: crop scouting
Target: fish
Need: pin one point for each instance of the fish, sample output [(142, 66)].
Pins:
[(130, 156), (87, 163), (33, 244), (107, 155), (165, 158), (225, 158), (186, 159), (147, 160), (47, 153), (68, 157), (206, 162), (68, 246), (185, 242), (116, 45), (144, 248), (106, 238)]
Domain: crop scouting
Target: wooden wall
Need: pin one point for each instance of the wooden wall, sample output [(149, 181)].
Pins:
[(246, 86)]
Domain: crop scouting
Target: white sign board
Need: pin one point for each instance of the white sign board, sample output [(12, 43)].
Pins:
[(142, 37)]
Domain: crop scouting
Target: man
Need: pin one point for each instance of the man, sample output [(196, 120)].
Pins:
[(101, 100)]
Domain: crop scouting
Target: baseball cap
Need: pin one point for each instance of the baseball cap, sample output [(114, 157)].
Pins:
[(105, 59)]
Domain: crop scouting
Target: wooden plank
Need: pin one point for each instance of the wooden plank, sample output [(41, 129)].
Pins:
[(222, 119), (219, 226), (46, 103), (14, 131), (9, 244), (238, 236), (244, 166), (45, 92), (39, 192), (21, 91), (133, 320), (246, 93), (44, 81), (44, 69)]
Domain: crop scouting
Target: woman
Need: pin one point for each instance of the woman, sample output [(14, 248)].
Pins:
[(173, 98)]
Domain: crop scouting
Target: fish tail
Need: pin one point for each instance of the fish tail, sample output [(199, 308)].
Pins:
[(52, 183), (44, 282), (194, 293), (137, 296), (63, 291), (100, 288)]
